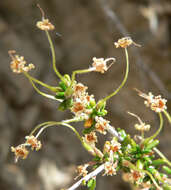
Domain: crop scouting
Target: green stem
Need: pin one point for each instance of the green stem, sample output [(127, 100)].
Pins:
[(168, 116), (50, 124), (124, 80), (162, 156), (37, 90), (157, 132), (53, 57), (52, 88), (53, 122), (79, 72)]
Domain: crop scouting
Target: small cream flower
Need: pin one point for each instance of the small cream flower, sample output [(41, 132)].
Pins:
[(20, 152), (101, 125), (79, 88), (125, 42), (113, 146), (156, 103), (100, 64), (141, 126), (90, 138), (133, 177), (35, 144), (18, 64), (78, 107), (110, 168), (45, 25), (82, 170)]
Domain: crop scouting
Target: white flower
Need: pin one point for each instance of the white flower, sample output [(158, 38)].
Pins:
[(110, 168), (45, 25), (100, 64), (90, 139), (156, 103), (101, 125)]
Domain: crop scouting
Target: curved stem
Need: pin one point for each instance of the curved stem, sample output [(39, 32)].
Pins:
[(41, 125), (168, 116), (79, 72), (124, 80), (40, 92), (53, 122), (162, 156), (157, 132), (53, 57), (52, 88), (85, 145)]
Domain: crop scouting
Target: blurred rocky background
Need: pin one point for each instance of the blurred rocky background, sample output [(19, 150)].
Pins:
[(88, 28)]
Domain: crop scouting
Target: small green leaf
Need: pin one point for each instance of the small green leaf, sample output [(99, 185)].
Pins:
[(152, 144), (67, 103), (60, 95), (91, 184), (97, 159), (167, 169), (158, 162), (62, 85)]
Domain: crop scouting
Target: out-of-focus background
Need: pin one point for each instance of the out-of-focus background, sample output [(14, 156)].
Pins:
[(88, 28)]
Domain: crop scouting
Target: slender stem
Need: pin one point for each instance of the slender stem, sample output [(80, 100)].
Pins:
[(40, 92), (41, 125), (87, 177), (85, 145), (52, 88), (79, 72), (168, 116), (54, 57), (52, 122), (157, 132), (162, 156), (124, 80)]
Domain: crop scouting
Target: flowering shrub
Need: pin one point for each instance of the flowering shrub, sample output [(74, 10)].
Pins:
[(135, 157)]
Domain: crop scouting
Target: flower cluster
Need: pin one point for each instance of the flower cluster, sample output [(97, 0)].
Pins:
[(81, 100), (45, 25), (21, 151), (156, 103), (90, 139), (141, 126), (125, 42), (100, 64), (101, 125), (134, 177), (18, 64)]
